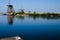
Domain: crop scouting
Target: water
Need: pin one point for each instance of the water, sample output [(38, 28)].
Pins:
[(30, 28)]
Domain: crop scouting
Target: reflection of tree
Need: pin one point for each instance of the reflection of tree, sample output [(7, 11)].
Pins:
[(10, 19), (20, 17), (44, 16), (50, 16), (34, 16)]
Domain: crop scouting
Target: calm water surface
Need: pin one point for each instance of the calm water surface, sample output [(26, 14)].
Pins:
[(30, 28)]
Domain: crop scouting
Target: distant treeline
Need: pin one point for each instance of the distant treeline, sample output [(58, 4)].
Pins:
[(38, 14)]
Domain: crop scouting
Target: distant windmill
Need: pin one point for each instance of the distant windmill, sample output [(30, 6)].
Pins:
[(10, 9)]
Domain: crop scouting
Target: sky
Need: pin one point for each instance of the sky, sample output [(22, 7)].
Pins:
[(32, 5)]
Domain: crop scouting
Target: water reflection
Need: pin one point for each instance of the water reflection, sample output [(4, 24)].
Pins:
[(30, 29), (44, 17), (34, 17), (10, 20), (20, 17), (50, 17)]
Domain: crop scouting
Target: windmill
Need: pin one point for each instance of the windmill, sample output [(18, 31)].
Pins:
[(10, 9)]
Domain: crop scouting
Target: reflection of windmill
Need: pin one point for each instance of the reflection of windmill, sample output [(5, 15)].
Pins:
[(10, 20), (10, 9)]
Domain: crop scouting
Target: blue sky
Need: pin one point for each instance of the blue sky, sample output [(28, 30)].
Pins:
[(33, 5)]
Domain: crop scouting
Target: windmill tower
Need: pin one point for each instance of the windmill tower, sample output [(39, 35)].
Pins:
[(10, 9)]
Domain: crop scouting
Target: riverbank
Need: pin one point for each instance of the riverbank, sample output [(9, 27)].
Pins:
[(33, 14)]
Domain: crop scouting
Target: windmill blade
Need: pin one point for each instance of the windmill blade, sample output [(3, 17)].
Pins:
[(9, 2)]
